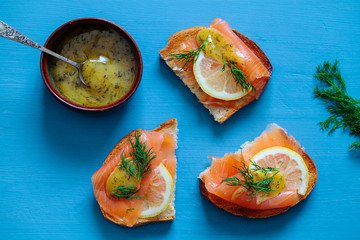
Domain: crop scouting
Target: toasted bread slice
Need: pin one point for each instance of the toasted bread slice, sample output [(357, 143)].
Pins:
[(170, 126), (254, 213), (177, 44)]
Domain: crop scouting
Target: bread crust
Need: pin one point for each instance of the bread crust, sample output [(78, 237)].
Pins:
[(253, 213), (170, 126), (176, 45)]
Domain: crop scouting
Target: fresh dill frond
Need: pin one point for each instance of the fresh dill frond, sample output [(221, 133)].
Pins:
[(130, 210), (264, 170), (126, 192), (344, 110), (248, 182), (238, 75), (189, 57), (128, 164), (354, 146), (138, 165)]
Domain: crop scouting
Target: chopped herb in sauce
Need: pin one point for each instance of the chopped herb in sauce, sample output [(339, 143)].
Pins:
[(109, 66)]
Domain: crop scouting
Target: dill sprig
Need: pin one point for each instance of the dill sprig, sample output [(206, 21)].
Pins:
[(189, 57), (126, 192), (130, 210), (248, 179), (344, 110), (138, 165), (238, 75)]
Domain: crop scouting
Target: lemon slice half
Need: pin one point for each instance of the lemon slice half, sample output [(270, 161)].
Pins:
[(215, 82), (290, 164), (159, 193)]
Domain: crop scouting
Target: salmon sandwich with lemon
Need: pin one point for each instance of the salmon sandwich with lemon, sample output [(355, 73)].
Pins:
[(136, 183), (264, 178), (222, 67)]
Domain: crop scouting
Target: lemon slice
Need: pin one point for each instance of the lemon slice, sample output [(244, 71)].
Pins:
[(159, 193), (290, 164), (215, 82)]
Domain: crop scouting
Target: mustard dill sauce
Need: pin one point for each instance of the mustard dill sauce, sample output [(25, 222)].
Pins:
[(277, 185), (218, 47), (109, 68)]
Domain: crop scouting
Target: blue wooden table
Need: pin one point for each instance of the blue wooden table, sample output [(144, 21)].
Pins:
[(48, 152)]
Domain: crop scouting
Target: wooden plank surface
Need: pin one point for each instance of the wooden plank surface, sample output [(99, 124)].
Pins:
[(49, 152)]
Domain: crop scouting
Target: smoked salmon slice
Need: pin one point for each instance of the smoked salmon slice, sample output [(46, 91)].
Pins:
[(125, 211), (252, 65)]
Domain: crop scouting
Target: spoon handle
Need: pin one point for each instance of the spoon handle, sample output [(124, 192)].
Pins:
[(8, 32)]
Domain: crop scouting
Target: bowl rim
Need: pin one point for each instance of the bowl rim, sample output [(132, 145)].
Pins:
[(73, 24)]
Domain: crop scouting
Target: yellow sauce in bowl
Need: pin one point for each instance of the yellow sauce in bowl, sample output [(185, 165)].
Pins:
[(109, 68)]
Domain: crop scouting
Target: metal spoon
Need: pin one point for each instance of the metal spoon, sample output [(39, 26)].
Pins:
[(10, 33)]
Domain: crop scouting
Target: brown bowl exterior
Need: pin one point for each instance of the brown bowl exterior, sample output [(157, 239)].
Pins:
[(68, 27)]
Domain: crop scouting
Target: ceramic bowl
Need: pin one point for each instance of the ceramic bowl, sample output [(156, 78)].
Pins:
[(63, 31)]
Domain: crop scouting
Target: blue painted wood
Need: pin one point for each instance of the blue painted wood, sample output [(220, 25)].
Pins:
[(49, 152)]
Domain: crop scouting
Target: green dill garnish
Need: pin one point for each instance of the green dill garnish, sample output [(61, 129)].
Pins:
[(238, 75), (248, 179), (138, 165), (126, 192), (189, 57), (344, 110), (128, 165), (130, 210)]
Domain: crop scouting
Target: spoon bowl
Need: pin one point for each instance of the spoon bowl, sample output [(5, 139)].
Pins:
[(92, 85)]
